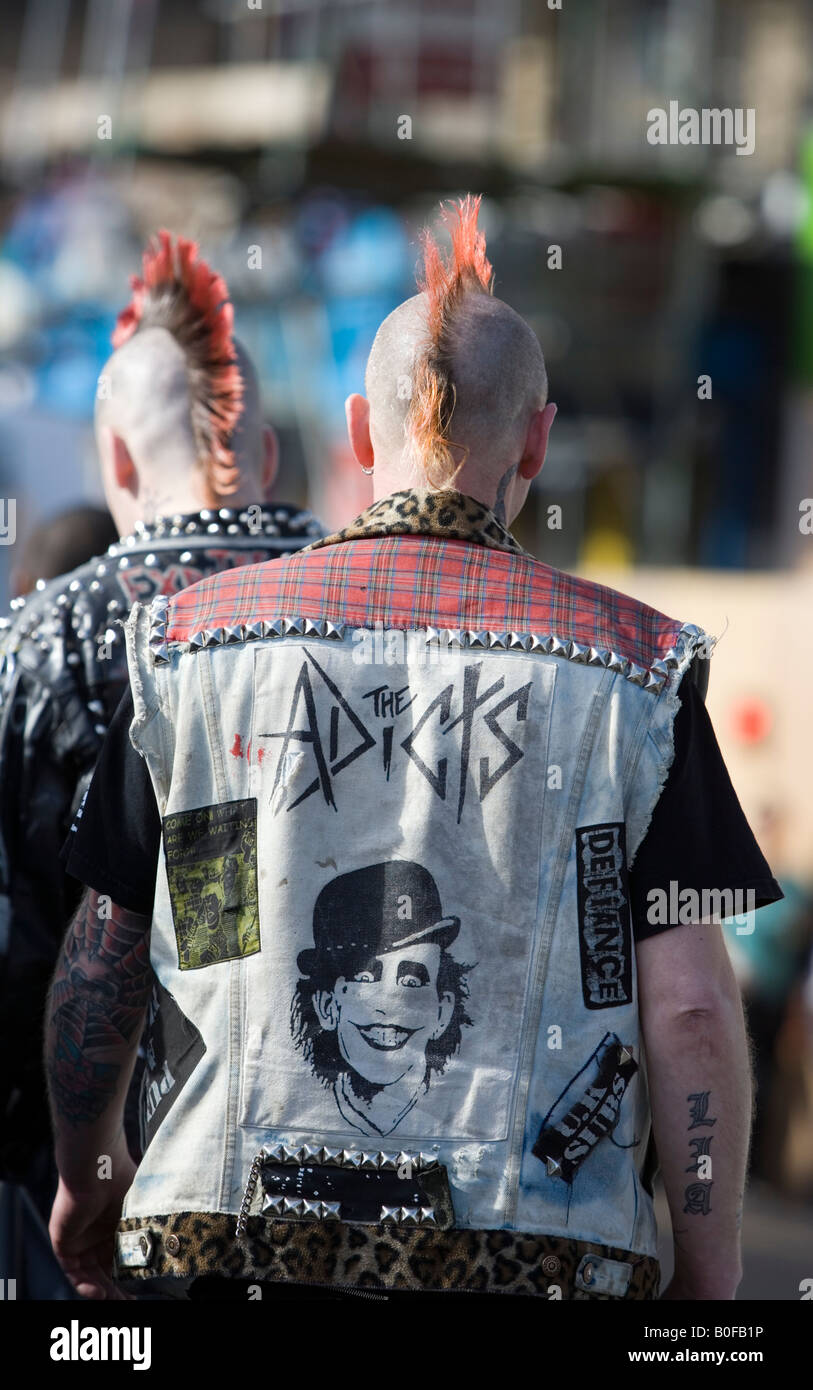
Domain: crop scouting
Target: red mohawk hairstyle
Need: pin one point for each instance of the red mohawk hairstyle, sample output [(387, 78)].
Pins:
[(445, 282), (180, 293)]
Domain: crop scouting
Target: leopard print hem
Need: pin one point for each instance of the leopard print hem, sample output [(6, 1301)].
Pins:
[(333, 1253)]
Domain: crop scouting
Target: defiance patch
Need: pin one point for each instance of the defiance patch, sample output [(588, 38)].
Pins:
[(211, 861), (605, 938)]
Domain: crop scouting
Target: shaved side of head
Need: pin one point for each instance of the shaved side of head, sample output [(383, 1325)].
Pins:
[(454, 375), (146, 402)]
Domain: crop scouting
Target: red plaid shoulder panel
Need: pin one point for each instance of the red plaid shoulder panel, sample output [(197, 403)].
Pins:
[(415, 581)]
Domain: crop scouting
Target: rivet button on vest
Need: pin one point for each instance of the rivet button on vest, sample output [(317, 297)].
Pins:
[(587, 1274), (172, 1244), (144, 1245), (551, 1264)]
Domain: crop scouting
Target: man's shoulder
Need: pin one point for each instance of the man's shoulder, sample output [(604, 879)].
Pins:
[(414, 581), (592, 621)]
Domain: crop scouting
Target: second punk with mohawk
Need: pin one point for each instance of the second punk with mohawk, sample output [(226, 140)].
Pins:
[(180, 293)]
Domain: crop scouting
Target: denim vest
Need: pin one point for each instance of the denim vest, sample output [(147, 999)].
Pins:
[(402, 780)]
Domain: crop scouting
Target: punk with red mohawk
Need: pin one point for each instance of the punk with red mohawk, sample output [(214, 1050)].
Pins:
[(444, 283), (179, 292)]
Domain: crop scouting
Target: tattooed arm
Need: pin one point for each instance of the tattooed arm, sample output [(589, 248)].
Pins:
[(94, 1020), (700, 1089)]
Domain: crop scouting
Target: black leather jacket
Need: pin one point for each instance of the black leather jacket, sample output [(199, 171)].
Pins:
[(63, 671)]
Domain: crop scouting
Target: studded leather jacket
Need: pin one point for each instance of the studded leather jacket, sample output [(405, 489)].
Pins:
[(63, 671)]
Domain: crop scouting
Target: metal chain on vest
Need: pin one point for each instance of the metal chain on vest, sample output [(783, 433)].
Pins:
[(248, 1197)]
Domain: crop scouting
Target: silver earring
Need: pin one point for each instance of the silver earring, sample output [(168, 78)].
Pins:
[(366, 470)]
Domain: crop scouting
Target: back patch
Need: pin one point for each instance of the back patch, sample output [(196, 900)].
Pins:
[(211, 861), (605, 939)]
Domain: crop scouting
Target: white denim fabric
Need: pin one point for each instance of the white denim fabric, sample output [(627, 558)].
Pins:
[(494, 759)]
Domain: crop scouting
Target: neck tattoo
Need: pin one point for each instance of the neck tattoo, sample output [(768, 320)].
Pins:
[(502, 487)]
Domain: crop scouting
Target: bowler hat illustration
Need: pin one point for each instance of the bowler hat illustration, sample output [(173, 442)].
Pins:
[(385, 907)]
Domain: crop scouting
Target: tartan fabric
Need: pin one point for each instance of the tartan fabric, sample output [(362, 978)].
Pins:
[(411, 581)]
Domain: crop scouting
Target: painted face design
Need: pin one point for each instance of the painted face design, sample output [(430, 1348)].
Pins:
[(388, 1012)]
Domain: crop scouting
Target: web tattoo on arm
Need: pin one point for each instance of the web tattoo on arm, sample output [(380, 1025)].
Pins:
[(96, 1006)]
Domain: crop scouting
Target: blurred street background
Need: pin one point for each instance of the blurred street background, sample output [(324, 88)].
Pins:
[(305, 143)]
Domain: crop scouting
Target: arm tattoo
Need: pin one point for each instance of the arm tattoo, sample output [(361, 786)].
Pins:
[(698, 1194), (97, 1002), (502, 487)]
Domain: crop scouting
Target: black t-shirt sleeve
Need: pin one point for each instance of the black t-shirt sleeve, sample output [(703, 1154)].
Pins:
[(698, 837), (115, 838)]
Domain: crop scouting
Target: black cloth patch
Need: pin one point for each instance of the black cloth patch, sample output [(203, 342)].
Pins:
[(211, 860), (173, 1047), (605, 937), (361, 1194), (565, 1142)]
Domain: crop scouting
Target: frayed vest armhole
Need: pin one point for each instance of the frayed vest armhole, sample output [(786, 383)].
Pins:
[(693, 650), (145, 736)]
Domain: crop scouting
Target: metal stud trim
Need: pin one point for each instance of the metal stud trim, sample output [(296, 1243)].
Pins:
[(409, 1216), (654, 678), (242, 528), (301, 1209), (347, 1158)]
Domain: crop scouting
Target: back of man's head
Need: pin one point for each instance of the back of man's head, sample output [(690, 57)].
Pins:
[(179, 401), (455, 377)]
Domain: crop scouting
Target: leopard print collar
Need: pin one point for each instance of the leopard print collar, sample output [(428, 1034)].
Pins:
[(418, 512)]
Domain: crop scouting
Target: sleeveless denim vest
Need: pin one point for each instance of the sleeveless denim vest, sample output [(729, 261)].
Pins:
[(402, 780)]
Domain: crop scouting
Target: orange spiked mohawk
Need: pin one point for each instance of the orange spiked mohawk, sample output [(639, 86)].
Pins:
[(445, 282), (180, 293)]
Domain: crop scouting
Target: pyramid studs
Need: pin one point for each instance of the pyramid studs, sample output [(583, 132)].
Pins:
[(652, 677), (624, 1055), (552, 1168)]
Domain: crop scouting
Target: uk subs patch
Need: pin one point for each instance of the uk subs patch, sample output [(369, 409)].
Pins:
[(605, 937), (211, 861), (585, 1114)]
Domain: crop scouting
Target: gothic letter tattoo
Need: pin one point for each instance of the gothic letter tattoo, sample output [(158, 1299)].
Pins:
[(698, 1194), (97, 1002)]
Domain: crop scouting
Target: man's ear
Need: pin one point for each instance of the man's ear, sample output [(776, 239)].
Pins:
[(270, 463), (357, 412), (125, 473), (326, 1010), (536, 442)]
